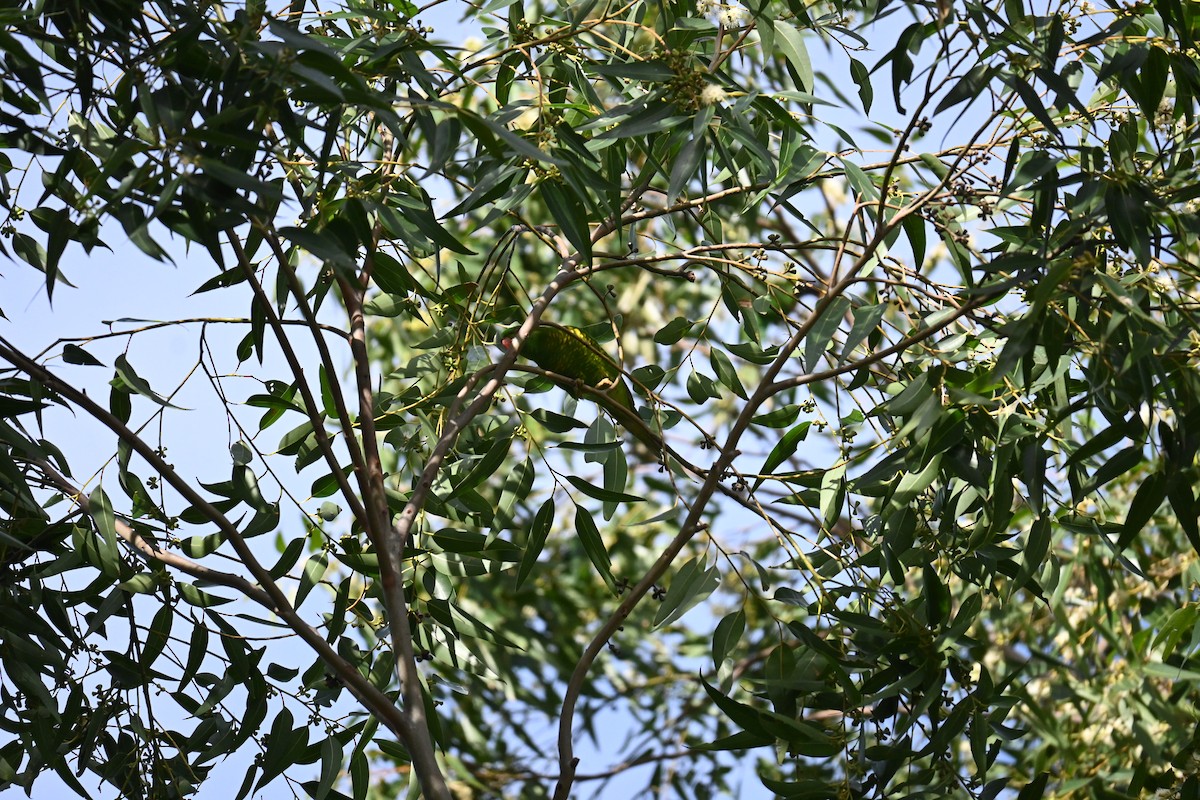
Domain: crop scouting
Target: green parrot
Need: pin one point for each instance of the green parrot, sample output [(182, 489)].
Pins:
[(574, 355)]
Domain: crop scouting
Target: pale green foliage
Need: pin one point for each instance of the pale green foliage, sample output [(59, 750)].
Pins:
[(901, 296)]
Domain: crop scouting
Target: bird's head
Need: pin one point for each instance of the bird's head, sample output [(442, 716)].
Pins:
[(505, 338)]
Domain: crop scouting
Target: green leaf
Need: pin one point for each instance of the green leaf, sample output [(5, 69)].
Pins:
[(1035, 789), (833, 496), (969, 87), (791, 44), (862, 79), (557, 423), (819, 337), (387, 305), (915, 482), (517, 485), (644, 71), (119, 404), (285, 747), (866, 321), (1180, 623), (1127, 213), (73, 354), (241, 453), (616, 476), (142, 583), (728, 635), (1183, 503), (693, 583), (391, 276), (602, 494), (656, 116), (158, 636), (538, 531), (1169, 671), (742, 715), (32, 253), (688, 161), (784, 449), (126, 377), (1036, 548), (288, 558), (937, 597), (742, 740), (726, 373), (1033, 102), (491, 134), (200, 598), (331, 767), (700, 388), (314, 570), (245, 487), (862, 184), (673, 331), (484, 468), (593, 545), (779, 418), (935, 164), (106, 524), (570, 214)]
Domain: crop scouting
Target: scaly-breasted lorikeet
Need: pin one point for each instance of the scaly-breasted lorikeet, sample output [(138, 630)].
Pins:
[(574, 355)]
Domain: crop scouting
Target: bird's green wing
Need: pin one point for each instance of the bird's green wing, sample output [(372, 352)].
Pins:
[(575, 355)]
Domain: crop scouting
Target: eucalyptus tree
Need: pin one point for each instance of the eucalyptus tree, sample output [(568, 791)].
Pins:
[(785, 397)]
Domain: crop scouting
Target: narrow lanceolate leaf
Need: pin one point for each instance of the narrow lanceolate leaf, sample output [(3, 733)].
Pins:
[(822, 332), (314, 571), (73, 354), (784, 449), (937, 597), (284, 747), (691, 585), (598, 493), (728, 635), (484, 468), (538, 532), (593, 545), (866, 320), (331, 767), (570, 215), (791, 42), (727, 374), (103, 516), (128, 377), (1146, 501)]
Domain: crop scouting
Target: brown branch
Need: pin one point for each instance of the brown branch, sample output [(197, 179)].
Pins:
[(371, 697), (310, 402), (390, 549), (152, 551), (150, 326), (692, 525)]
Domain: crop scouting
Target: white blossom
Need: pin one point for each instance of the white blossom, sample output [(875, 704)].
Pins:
[(732, 16), (712, 94)]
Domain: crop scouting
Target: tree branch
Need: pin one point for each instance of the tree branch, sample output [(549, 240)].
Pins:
[(372, 698)]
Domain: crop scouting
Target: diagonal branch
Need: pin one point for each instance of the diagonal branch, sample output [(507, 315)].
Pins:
[(390, 549), (371, 697), (310, 402)]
